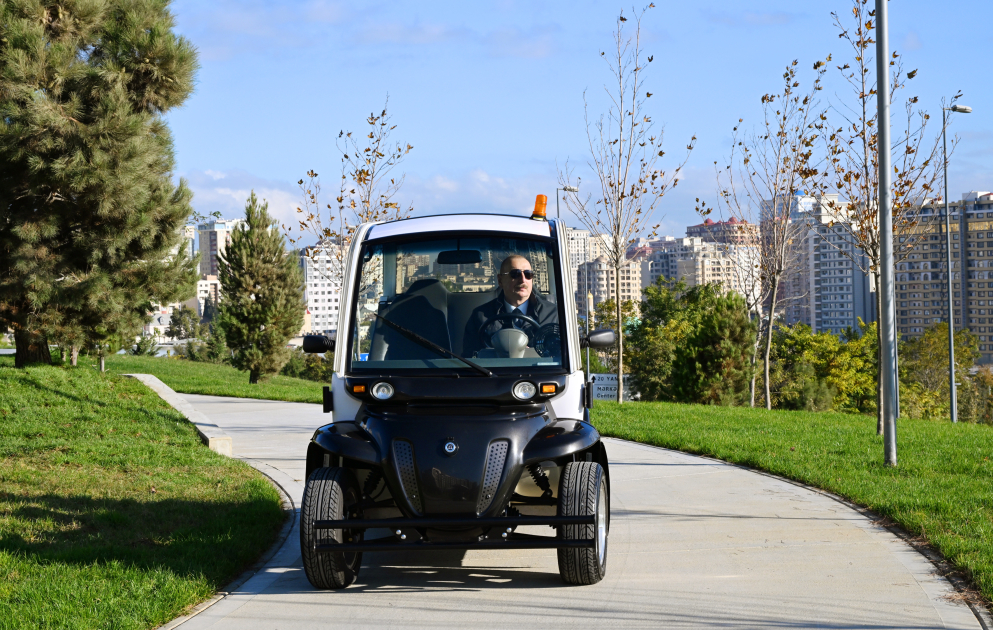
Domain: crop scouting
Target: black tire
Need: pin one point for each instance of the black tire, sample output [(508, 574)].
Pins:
[(327, 496), (583, 492)]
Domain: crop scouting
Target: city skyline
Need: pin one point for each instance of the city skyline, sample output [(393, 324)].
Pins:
[(490, 95)]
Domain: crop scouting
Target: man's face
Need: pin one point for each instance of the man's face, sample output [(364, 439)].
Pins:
[(516, 288)]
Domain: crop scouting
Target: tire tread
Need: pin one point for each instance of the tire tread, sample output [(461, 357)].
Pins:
[(324, 498), (578, 493)]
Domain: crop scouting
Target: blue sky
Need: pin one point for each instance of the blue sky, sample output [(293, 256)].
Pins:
[(491, 93)]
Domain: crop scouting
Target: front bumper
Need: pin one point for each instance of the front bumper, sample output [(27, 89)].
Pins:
[(499, 533)]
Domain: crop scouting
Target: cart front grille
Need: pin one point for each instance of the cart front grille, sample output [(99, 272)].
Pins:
[(403, 455), (496, 457)]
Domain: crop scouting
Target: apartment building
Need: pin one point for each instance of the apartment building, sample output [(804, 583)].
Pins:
[(841, 292), (322, 291), (599, 278), (208, 288), (826, 289), (731, 231), (579, 253), (213, 239), (188, 244), (921, 280)]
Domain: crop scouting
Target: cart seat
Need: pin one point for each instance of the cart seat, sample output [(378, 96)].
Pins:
[(460, 308), (422, 308)]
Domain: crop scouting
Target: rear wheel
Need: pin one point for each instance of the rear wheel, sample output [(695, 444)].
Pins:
[(328, 495), (583, 492)]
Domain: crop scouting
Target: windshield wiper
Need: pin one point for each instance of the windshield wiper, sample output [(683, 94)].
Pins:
[(410, 334)]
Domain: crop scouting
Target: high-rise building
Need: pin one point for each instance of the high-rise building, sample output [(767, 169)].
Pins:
[(695, 262), (579, 253), (730, 231), (600, 278), (188, 244), (921, 280), (827, 288), (208, 288), (213, 238), (322, 291)]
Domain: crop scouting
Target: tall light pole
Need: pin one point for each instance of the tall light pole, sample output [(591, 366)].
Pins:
[(572, 189), (887, 329), (962, 109)]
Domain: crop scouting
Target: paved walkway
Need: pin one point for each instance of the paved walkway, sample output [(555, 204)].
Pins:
[(693, 544)]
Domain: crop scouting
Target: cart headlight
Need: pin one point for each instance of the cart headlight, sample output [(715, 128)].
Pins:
[(382, 391), (524, 390)]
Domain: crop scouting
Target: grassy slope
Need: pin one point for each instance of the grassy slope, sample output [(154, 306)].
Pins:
[(942, 488), (217, 380), (112, 513)]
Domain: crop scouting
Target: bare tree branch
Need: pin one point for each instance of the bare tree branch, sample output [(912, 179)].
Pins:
[(366, 194), (625, 150)]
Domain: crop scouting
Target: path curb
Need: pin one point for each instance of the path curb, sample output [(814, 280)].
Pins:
[(215, 439), (210, 433), (247, 574)]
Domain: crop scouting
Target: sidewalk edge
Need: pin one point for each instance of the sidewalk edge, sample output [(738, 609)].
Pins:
[(210, 433)]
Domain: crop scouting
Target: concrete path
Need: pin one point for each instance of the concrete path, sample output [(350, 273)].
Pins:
[(693, 544)]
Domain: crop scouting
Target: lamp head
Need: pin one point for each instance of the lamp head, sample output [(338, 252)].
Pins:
[(570, 188), (961, 109)]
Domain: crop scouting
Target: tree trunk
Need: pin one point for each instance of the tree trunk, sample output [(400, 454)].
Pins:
[(30, 348), (74, 355), (620, 338), (768, 338), (755, 358), (253, 377), (102, 366)]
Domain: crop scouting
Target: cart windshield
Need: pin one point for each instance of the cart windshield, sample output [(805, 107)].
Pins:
[(420, 304)]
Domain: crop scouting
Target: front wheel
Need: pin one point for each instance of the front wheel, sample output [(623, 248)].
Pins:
[(583, 492), (328, 495)]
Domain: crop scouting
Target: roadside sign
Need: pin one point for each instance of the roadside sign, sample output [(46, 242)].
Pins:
[(605, 387)]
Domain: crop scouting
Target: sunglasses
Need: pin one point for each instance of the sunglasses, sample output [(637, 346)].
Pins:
[(515, 274)]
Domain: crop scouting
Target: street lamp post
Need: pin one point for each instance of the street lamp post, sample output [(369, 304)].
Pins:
[(962, 109), (572, 189), (887, 316)]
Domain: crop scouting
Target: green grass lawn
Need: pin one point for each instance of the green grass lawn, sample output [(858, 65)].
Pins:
[(190, 377), (112, 512), (941, 490)]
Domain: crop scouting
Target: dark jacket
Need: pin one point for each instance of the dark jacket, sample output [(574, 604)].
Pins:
[(539, 309)]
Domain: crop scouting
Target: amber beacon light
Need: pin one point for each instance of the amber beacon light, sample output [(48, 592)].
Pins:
[(539, 208)]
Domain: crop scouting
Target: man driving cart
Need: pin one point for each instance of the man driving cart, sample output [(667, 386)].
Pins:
[(460, 408), (518, 306)]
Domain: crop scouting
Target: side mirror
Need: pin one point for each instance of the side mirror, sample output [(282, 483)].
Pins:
[(318, 344), (600, 338)]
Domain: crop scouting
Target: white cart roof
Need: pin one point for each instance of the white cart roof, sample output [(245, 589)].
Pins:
[(461, 222)]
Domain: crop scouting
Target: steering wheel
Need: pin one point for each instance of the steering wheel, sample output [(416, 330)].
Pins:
[(530, 330), (549, 340)]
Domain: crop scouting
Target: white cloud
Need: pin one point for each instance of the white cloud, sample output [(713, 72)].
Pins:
[(225, 28), (227, 193), (470, 191), (912, 41)]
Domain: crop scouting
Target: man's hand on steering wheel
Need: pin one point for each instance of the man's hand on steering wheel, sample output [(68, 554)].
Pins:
[(530, 329)]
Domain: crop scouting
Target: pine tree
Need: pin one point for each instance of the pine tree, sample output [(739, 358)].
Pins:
[(217, 350), (263, 303), (90, 219)]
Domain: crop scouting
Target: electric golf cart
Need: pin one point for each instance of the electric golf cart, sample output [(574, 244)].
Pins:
[(460, 408)]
